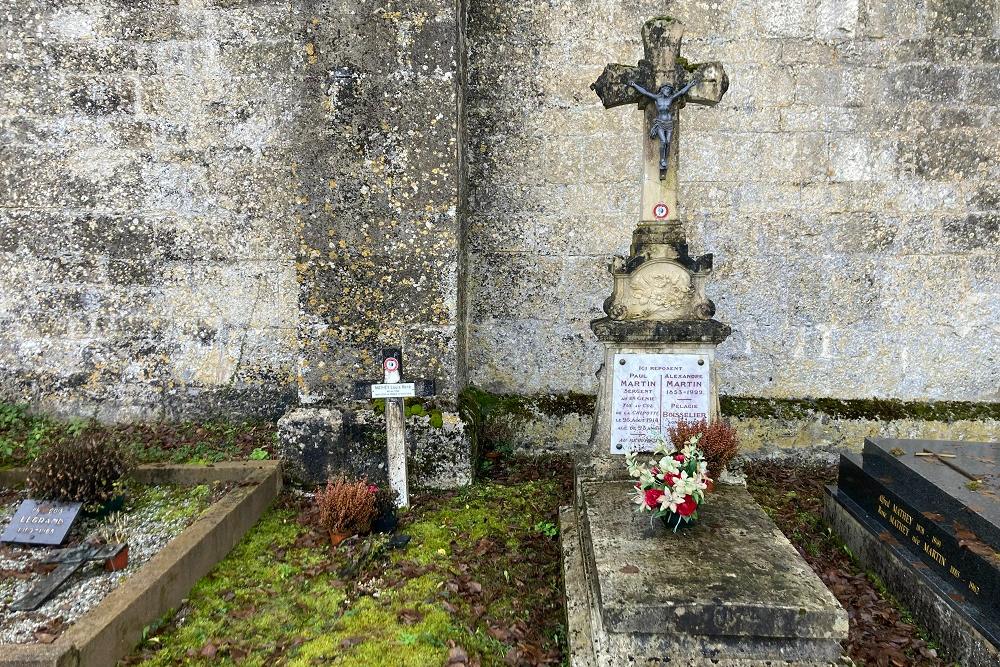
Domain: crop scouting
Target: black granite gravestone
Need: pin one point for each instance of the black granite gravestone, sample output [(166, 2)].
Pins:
[(941, 501)]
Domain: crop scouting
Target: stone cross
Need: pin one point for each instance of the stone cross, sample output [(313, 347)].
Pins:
[(394, 390), (661, 84), (69, 560)]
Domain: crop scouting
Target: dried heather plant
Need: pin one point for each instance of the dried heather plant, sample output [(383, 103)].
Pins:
[(718, 441), (84, 470), (345, 506), (682, 432)]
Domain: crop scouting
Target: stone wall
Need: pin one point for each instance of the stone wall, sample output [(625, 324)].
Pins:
[(847, 184), (380, 239), (228, 206), (216, 206)]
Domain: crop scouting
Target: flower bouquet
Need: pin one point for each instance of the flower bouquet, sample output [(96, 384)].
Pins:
[(672, 484)]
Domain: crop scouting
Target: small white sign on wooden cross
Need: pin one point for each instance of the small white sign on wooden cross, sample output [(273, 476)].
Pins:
[(394, 390)]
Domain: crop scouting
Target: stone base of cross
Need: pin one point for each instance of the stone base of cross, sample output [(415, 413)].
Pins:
[(394, 390)]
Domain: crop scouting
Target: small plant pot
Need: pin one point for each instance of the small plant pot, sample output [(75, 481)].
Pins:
[(337, 538), (385, 523), (116, 563)]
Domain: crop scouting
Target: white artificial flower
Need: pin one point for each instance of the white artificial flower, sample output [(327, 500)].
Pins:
[(668, 464), (670, 502)]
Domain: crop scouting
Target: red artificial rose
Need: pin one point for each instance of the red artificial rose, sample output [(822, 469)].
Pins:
[(679, 458), (687, 507), (653, 497), (668, 478)]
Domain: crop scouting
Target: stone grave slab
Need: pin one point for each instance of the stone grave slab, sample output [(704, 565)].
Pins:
[(730, 588)]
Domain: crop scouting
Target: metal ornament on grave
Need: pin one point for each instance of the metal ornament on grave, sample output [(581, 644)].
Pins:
[(393, 389), (69, 561), (41, 522), (659, 280)]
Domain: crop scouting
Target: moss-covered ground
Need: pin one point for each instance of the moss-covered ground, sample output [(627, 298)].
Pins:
[(478, 583)]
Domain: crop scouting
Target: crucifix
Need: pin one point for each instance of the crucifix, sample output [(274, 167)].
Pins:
[(69, 561), (394, 391), (661, 84)]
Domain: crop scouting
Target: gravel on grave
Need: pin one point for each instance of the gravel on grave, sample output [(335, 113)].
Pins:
[(153, 515)]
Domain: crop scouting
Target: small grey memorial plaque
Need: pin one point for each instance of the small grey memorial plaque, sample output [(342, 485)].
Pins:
[(40, 522), (652, 392)]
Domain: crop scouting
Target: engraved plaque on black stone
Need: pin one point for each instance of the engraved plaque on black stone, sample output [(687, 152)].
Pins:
[(40, 522)]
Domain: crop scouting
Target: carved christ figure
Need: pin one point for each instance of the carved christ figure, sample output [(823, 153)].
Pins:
[(663, 125)]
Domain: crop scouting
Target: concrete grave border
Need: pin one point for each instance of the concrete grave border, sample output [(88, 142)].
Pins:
[(111, 629)]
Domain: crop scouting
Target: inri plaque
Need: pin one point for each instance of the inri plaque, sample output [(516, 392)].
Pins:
[(652, 392)]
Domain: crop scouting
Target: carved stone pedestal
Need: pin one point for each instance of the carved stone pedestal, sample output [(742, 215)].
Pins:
[(659, 343)]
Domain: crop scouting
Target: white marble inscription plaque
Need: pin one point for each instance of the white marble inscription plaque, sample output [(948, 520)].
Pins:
[(652, 392)]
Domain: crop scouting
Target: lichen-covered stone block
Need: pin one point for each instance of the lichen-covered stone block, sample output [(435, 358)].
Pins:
[(320, 443)]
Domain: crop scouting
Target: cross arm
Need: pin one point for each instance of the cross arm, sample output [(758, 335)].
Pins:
[(712, 84), (613, 86), (708, 83)]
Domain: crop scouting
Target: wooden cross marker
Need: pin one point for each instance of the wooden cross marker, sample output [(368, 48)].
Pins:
[(394, 390), (69, 560), (661, 84)]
